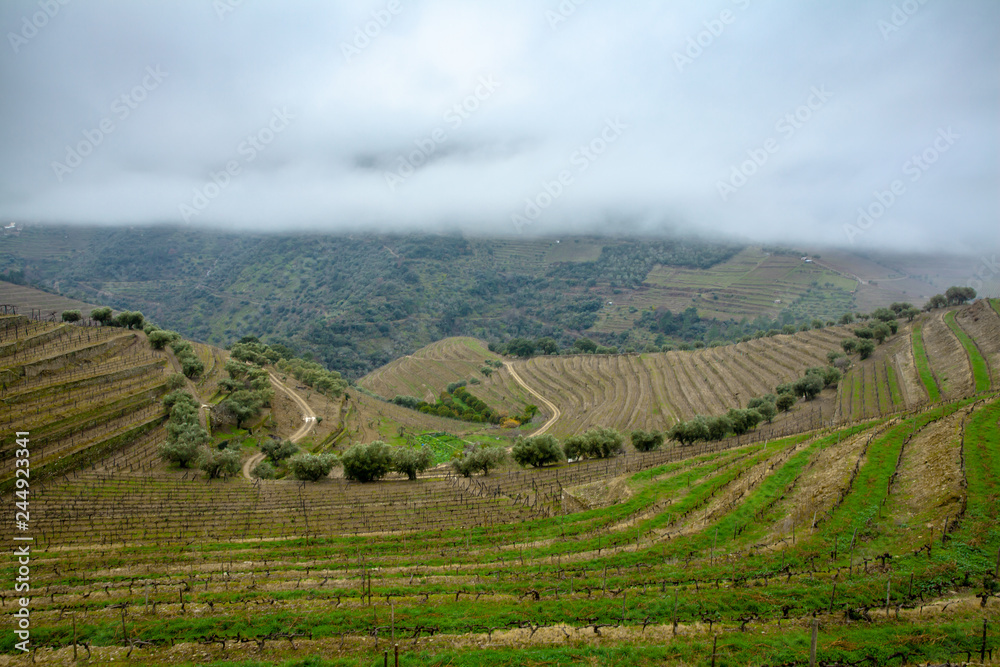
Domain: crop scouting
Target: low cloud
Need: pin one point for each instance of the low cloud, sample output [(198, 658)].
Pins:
[(746, 119)]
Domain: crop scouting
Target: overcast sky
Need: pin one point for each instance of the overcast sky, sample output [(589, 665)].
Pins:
[(766, 120)]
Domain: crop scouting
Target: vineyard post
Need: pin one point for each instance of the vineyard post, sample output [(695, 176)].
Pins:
[(812, 644), (982, 647), (74, 637), (996, 572), (888, 592), (850, 566), (715, 540), (392, 612), (833, 596), (715, 643), (395, 654), (675, 620)]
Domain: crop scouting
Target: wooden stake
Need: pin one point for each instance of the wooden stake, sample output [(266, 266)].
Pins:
[(675, 611), (982, 648), (74, 636), (812, 645), (888, 589), (715, 642)]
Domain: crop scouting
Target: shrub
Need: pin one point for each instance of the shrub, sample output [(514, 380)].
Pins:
[(160, 339), (481, 459), (646, 441), (849, 345), (175, 381), (71, 316), (219, 463), (312, 467), (785, 402), (865, 348), (264, 470), (767, 410), (809, 386), (410, 460), (279, 450), (411, 402), (537, 451), (597, 443), (367, 462), (103, 315)]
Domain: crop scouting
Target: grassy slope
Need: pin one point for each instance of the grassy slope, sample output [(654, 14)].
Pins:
[(980, 369), (923, 366)]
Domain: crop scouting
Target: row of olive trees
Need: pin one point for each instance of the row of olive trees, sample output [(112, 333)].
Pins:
[(187, 441)]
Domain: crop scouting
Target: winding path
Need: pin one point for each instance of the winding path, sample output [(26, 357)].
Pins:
[(308, 417), (549, 404)]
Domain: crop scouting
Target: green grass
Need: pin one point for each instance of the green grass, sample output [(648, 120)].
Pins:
[(923, 366), (893, 382), (980, 369)]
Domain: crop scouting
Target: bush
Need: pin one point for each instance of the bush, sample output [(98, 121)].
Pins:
[(646, 441), (537, 451), (311, 467), (219, 463), (264, 470), (785, 402), (103, 315), (175, 381), (767, 410), (865, 348), (160, 339), (809, 386), (181, 450), (410, 460), (411, 402), (597, 443), (692, 430), (279, 450), (367, 462), (849, 345), (72, 316), (481, 459)]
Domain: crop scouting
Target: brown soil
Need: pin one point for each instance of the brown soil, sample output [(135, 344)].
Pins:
[(948, 359), (929, 487), (982, 324), (820, 485)]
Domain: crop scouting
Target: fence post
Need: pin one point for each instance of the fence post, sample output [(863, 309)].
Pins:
[(812, 644)]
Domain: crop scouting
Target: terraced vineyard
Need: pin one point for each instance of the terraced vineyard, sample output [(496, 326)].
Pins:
[(655, 390), (749, 284), (883, 531), (690, 549), (80, 391)]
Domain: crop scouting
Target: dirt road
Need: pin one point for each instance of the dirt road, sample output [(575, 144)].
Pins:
[(549, 404), (308, 417)]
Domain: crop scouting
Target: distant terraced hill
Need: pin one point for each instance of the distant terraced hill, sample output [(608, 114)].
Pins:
[(653, 391)]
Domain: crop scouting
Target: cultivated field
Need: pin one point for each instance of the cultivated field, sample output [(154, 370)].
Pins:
[(880, 534)]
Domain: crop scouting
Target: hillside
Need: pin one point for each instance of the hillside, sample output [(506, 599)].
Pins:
[(357, 302), (644, 558)]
